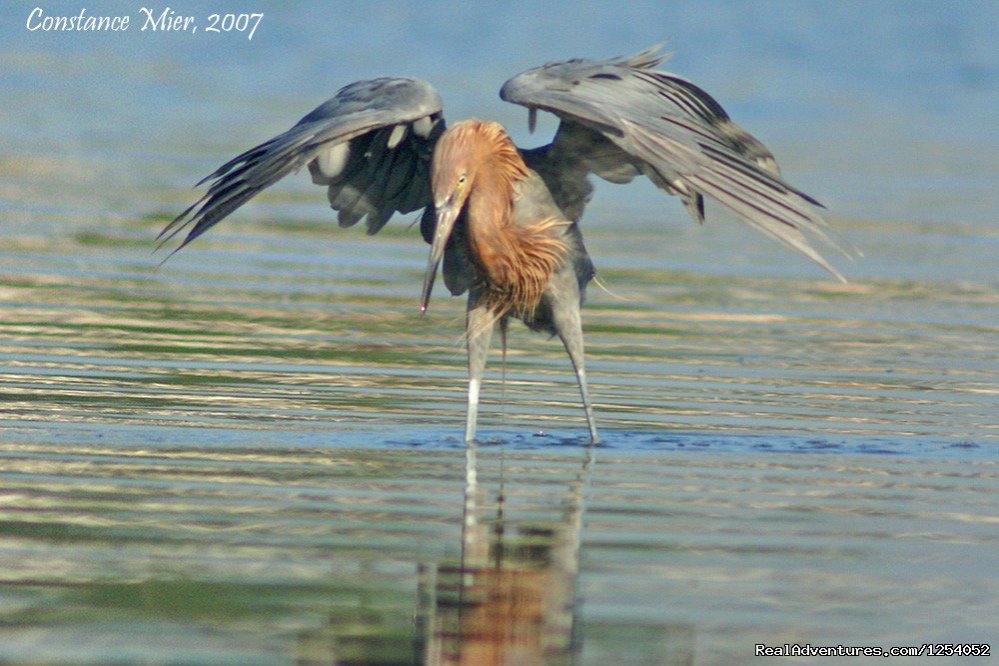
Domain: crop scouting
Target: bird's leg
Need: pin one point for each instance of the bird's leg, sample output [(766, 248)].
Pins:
[(570, 330), (479, 324), (503, 326)]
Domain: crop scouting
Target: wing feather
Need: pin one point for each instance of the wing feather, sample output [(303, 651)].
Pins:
[(674, 132), (385, 168)]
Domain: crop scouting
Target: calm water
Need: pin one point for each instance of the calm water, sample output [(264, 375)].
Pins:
[(252, 454)]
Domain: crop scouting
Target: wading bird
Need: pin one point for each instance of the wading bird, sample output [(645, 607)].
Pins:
[(504, 221)]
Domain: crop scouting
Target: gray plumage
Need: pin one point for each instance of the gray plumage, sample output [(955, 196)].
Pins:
[(345, 142), (621, 113)]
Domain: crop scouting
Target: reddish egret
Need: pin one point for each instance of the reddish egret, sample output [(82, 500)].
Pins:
[(504, 220)]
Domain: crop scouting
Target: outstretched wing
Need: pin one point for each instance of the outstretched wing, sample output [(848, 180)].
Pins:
[(370, 144), (621, 117)]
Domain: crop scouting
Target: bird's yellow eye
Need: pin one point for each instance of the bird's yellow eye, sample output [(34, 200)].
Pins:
[(461, 179)]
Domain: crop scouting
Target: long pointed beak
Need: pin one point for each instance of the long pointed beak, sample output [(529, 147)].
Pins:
[(446, 216)]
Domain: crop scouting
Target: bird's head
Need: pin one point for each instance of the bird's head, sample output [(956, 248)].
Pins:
[(461, 150), (461, 153)]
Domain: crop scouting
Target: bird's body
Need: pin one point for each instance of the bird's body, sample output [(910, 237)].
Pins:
[(510, 243), (505, 221)]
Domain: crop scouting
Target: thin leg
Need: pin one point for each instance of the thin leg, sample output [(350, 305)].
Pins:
[(479, 330), (570, 330), (503, 325)]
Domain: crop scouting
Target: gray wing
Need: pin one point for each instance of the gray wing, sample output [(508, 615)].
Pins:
[(621, 118), (370, 144)]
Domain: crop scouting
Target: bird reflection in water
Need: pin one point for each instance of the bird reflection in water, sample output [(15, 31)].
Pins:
[(512, 597)]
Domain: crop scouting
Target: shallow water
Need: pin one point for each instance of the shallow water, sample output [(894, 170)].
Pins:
[(252, 454)]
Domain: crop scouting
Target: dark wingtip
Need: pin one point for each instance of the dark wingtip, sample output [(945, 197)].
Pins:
[(177, 225), (166, 258)]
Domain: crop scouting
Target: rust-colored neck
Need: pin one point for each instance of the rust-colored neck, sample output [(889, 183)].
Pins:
[(515, 260)]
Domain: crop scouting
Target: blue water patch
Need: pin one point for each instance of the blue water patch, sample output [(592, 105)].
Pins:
[(646, 441), (415, 436)]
